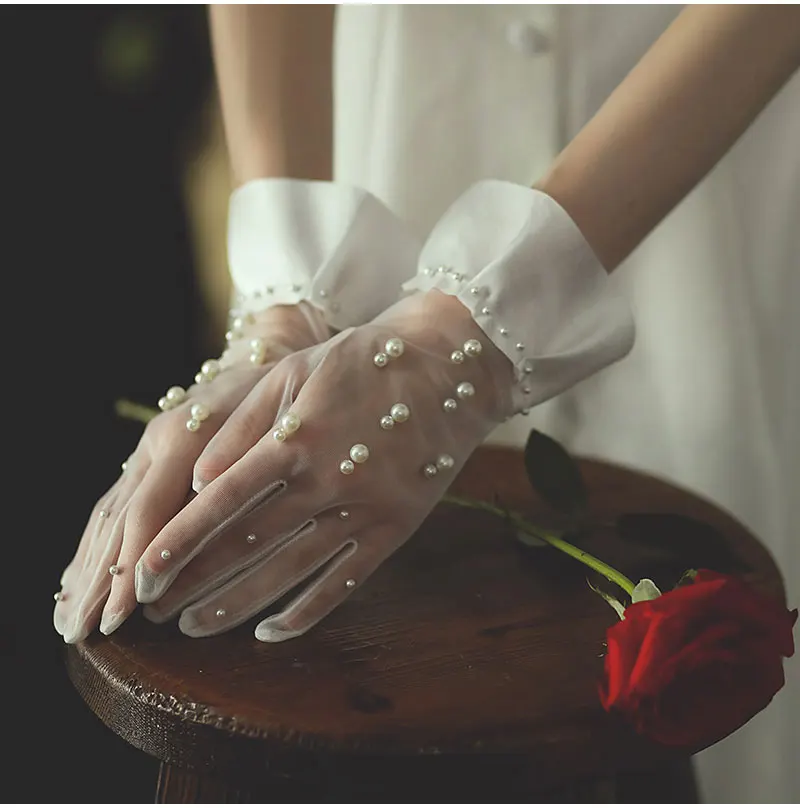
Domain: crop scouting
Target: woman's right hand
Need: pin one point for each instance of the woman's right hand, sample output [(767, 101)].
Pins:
[(98, 584)]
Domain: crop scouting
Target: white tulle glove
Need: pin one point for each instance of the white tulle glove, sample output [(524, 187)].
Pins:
[(156, 479), (362, 435), (305, 258)]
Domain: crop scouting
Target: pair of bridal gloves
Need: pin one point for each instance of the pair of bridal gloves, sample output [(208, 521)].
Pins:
[(362, 369)]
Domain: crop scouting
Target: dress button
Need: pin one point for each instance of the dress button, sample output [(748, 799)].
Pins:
[(527, 39)]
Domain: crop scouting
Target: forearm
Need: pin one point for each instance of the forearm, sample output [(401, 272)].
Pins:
[(675, 115), (274, 69)]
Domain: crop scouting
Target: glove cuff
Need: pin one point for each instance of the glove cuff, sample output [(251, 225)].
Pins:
[(334, 245), (516, 260)]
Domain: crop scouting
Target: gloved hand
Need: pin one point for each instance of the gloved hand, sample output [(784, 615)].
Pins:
[(330, 463), (156, 481)]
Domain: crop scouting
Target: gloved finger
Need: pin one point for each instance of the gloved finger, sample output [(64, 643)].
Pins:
[(95, 584), (226, 556), (254, 417), (100, 530), (266, 581), (340, 579), (159, 497)]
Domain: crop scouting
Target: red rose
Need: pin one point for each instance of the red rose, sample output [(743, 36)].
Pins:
[(691, 666)]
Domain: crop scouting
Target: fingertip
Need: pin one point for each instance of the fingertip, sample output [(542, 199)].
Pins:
[(271, 632), (110, 623), (154, 615), (147, 584), (189, 625)]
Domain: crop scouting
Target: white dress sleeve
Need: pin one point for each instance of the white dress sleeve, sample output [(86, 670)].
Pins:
[(331, 244), (518, 262)]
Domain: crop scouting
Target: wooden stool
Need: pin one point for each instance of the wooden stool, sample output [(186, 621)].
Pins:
[(464, 670)]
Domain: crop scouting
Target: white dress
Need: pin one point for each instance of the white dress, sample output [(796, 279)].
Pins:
[(430, 99)]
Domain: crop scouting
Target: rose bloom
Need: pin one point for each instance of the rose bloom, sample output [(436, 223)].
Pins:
[(691, 666)]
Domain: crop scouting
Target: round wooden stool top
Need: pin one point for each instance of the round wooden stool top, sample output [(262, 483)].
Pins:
[(464, 643)]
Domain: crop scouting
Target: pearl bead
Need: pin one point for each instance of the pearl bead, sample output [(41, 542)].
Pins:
[(258, 357), (256, 344), (199, 378), (290, 423), (450, 405), (387, 422), (457, 357), (230, 336), (465, 390), (237, 324), (427, 271), (166, 555), (175, 395), (103, 514), (359, 453), (58, 596), (221, 612), (210, 367), (474, 291), (251, 538), (472, 347), (113, 570), (444, 462), (527, 367), (344, 515), (350, 583), (525, 412), (520, 346), (441, 270), (125, 465), (279, 434), (457, 276), (347, 466), (430, 470), (503, 332), (193, 424), (323, 293), (394, 347), (526, 390), (380, 360), (400, 413), (486, 310), (163, 404), (200, 412)]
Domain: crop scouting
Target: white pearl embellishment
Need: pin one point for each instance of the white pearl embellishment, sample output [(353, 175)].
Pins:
[(457, 357), (344, 515), (350, 583), (472, 347), (200, 412), (450, 405), (113, 570), (193, 424), (347, 467), (251, 538), (430, 470), (166, 555), (175, 395), (380, 360), (400, 412), (290, 423), (359, 453), (103, 514), (444, 462), (221, 612), (486, 310), (465, 390), (58, 596), (394, 347), (279, 434), (387, 422)]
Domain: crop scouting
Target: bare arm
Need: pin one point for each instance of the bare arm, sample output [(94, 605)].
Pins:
[(274, 69), (675, 115)]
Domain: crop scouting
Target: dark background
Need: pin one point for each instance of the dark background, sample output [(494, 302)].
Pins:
[(100, 106)]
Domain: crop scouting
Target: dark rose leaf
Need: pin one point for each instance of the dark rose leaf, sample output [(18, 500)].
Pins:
[(554, 475), (689, 542)]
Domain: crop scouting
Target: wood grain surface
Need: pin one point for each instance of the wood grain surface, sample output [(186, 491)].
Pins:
[(465, 643)]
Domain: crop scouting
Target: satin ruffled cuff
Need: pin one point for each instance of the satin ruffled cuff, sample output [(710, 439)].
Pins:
[(336, 246), (517, 261)]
